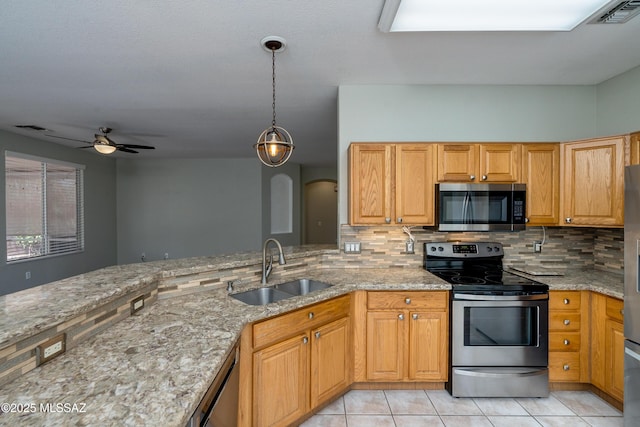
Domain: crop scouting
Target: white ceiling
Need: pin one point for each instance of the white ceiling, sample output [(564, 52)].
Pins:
[(190, 76)]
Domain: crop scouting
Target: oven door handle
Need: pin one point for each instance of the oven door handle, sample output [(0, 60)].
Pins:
[(472, 297)]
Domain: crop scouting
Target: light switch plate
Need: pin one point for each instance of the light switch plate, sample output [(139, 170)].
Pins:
[(351, 247)]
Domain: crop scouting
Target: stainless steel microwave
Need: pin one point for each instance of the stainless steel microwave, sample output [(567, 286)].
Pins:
[(481, 207)]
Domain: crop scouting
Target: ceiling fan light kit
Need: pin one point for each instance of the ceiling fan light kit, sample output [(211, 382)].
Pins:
[(275, 144)]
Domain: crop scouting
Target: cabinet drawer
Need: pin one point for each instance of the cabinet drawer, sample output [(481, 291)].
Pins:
[(564, 300), (407, 300), (564, 321), (278, 328), (564, 341), (564, 366), (614, 309)]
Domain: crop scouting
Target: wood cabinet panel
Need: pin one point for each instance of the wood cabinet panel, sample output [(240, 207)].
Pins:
[(593, 182), (499, 162), (414, 184), (614, 380), (387, 300), (457, 162), (428, 344), (277, 328), (541, 174), (565, 300), (280, 387), (330, 356), (607, 345), (564, 366), (385, 345), (370, 183), (564, 341)]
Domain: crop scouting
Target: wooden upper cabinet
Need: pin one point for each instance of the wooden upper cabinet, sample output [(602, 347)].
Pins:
[(479, 162), (414, 184), (457, 162), (500, 162), (634, 145), (592, 191), (541, 173), (370, 183), (391, 184)]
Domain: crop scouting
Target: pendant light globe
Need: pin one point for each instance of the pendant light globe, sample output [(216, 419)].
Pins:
[(275, 144)]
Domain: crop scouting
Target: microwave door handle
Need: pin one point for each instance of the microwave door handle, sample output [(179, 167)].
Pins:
[(465, 203), (470, 212)]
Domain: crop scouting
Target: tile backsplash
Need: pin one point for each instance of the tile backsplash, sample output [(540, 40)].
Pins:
[(570, 247)]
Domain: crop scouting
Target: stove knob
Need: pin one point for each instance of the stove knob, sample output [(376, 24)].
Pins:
[(497, 249), (433, 248), (489, 249), (440, 248)]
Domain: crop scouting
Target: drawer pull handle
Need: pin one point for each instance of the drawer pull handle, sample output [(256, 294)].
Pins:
[(407, 300), (622, 312), (566, 342), (566, 367), (566, 301), (567, 321), (317, 335), (415, 316), (311, 315), (401, 316), (305, 340)]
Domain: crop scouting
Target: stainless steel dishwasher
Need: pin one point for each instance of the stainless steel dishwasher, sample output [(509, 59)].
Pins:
[(219, 406)]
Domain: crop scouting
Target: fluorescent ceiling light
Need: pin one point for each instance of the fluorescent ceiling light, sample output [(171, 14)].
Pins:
[(486, 15)]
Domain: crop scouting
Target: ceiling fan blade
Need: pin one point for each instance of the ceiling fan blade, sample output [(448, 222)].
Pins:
[(86, 146), (144, 147), (126, 150), (69, 139)]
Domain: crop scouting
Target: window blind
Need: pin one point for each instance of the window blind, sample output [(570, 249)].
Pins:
[(44, 207)]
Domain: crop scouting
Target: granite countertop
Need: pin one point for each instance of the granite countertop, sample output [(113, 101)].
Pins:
[(154, 367)]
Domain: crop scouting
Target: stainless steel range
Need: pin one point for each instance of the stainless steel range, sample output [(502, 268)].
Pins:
[(499, 322)]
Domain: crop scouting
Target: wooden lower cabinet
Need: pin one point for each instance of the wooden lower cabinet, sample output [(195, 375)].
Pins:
[(281, 382), (407, 344), (568, 335), (607, 345), (300, 360)]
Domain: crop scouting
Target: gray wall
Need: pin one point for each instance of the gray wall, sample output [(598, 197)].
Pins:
[(618, 106), (460, 113), (100, 220), (187, 207)]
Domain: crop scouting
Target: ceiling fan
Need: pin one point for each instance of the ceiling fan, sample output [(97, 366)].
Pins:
[(105, 145)]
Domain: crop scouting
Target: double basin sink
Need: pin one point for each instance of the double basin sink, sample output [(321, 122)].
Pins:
[(266, 295)]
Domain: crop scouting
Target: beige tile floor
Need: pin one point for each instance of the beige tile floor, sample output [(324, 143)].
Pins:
[(412, 408)]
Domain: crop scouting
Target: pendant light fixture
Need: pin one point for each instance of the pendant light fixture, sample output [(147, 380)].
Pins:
[(275, 145)]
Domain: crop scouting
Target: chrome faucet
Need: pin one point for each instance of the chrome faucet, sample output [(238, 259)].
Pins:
[(267, 267)]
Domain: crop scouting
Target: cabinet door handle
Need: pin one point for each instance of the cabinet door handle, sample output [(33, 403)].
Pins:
[(399, 219), (311, 315), (472, 177), (317, 334), (566, 301), (401, 316), (407, 300), (566, 367), (566, 342), (387, 220), (567, 220), (526, 220), (484, 177), (415, 316), (305, 340), (567, 321), (622, 312)]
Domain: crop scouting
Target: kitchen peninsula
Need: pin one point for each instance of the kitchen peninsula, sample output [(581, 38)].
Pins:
[(153, 367)]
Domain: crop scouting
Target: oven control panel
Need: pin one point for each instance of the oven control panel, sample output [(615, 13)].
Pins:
[(463, 249)]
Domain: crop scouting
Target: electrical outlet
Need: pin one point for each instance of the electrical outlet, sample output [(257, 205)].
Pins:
[(537, 247), (50, 349), (166, 255), (137, 304), (143, 257), (27, 275), (351, 247)]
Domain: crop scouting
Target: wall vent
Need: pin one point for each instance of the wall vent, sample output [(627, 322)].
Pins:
[(619, 13)]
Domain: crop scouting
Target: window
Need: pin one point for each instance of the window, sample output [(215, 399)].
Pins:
[(45, 207)]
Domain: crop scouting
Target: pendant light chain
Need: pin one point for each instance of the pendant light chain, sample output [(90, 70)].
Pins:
[(273, 81)]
